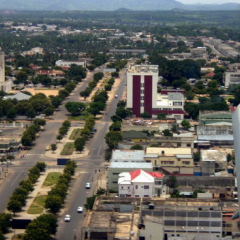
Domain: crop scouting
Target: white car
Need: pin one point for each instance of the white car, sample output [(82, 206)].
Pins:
[(88, 185), (80, 209), (67, 218)]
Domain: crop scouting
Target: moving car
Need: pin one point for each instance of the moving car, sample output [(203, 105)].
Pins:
[(67, 218), (116, 96), (80, 209), (88, 185)]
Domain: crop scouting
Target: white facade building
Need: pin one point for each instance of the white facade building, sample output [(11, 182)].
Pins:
[(142, 95), (231, 77), (62, 63), (5, 86), (139, 183)]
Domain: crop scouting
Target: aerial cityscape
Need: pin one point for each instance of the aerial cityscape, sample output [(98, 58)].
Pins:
[(119, 120)]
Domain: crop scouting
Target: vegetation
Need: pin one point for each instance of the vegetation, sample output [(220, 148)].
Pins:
[(68, 149), (37, 207), (57, 195), (76, 133), (51, 179), (19, 196)]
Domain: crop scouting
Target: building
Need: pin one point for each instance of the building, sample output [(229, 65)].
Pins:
[(215, 118), (125, 161), (139, 183), (231, 77), (135, 136), (171, 160), (8, 145), (185, 219), (213, 161), (127, 51), (5, 86), (142, 96), (236, 135), (19, 96), (67, 64)]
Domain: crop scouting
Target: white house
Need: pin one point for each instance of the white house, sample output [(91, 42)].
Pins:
[(140, 183)]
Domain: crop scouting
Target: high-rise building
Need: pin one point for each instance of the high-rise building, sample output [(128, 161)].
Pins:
[(2, 66), (143, 96), (236, 137)]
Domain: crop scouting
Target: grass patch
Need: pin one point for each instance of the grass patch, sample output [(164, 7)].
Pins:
[(68, 149), (79, 117), (75, 134), (37, 206), (51, 179)]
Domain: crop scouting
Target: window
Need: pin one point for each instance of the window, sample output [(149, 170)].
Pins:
[(179, 144), (186, 162), (188, 144), (128, 187), (142, 98), (136, 187), (146, 187), (115, 173), (114, 182), (121, 187)]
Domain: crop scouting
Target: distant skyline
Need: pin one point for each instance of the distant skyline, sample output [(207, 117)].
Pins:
[(208, 1)]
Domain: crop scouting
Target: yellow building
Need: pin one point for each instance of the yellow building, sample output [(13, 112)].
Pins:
[(171, 160)]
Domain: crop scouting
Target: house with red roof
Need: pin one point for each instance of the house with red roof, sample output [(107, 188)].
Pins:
[(140, 183)]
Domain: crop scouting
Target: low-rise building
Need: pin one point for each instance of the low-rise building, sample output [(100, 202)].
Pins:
[(171, 160), (125, 161), (135, 136), (19, 96), (231, 77), (212, 161), (139, 183), (64, 63)]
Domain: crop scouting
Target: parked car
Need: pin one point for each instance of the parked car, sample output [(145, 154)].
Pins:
[(116, 96), (88, 185), (80, 209), (67, 218)]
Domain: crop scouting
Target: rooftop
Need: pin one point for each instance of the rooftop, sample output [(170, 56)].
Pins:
[(175, 96), (127, 155), (143, 69), (215, 155), (131, 165), (169, 151)]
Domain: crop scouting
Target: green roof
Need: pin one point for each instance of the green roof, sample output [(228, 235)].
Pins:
[(134, 134)]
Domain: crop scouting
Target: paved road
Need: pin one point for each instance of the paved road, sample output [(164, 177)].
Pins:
[(78, 193), (47, 137)]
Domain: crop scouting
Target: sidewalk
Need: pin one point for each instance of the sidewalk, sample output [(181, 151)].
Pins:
[(60, 146)]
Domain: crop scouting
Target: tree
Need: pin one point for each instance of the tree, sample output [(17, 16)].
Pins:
[(11, 113), (48, 111), (53, 147), (5, 223), (116, 118), (75, 108), (27, 184), (145, 115), (39, 121), (14, 205), (122, 112), (136, 147), (53, 203), (161, 116), (112, 139), (197, 156), (116, 126), (59, 137), (79, 144), (90, 202), (31, 113), (26, 140), (50, 221), (101, 191), (56, 101), (186, 124), (172, 182), (96, 107), (166, 133), (190, 95), (21, 77), (2, 237)]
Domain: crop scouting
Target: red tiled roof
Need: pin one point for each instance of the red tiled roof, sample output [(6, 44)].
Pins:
[(138, 172)]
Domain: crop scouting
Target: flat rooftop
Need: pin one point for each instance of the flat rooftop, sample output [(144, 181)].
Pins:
[(143, 69), (131, 165), (127, 155)]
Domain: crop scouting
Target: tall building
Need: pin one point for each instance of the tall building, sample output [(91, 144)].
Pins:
[(2, 66), (236, 136), (142, 95)]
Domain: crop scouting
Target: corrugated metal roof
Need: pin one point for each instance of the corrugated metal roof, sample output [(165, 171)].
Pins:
[(183, 156), (216, 137)]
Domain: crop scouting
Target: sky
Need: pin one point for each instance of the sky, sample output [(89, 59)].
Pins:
[(208, 1)]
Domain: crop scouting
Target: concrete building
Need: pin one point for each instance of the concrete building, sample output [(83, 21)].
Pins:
[(125, 161), (215, 118), (231, 77), (186, 219), (67, 64), (5, 86), (127, 51), (171, 160), (213, 161), (142, 96), (236, 135), (139, 183)]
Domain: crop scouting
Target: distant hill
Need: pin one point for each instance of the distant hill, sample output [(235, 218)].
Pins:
[(213, 7), (96, 5), (111, 5)]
